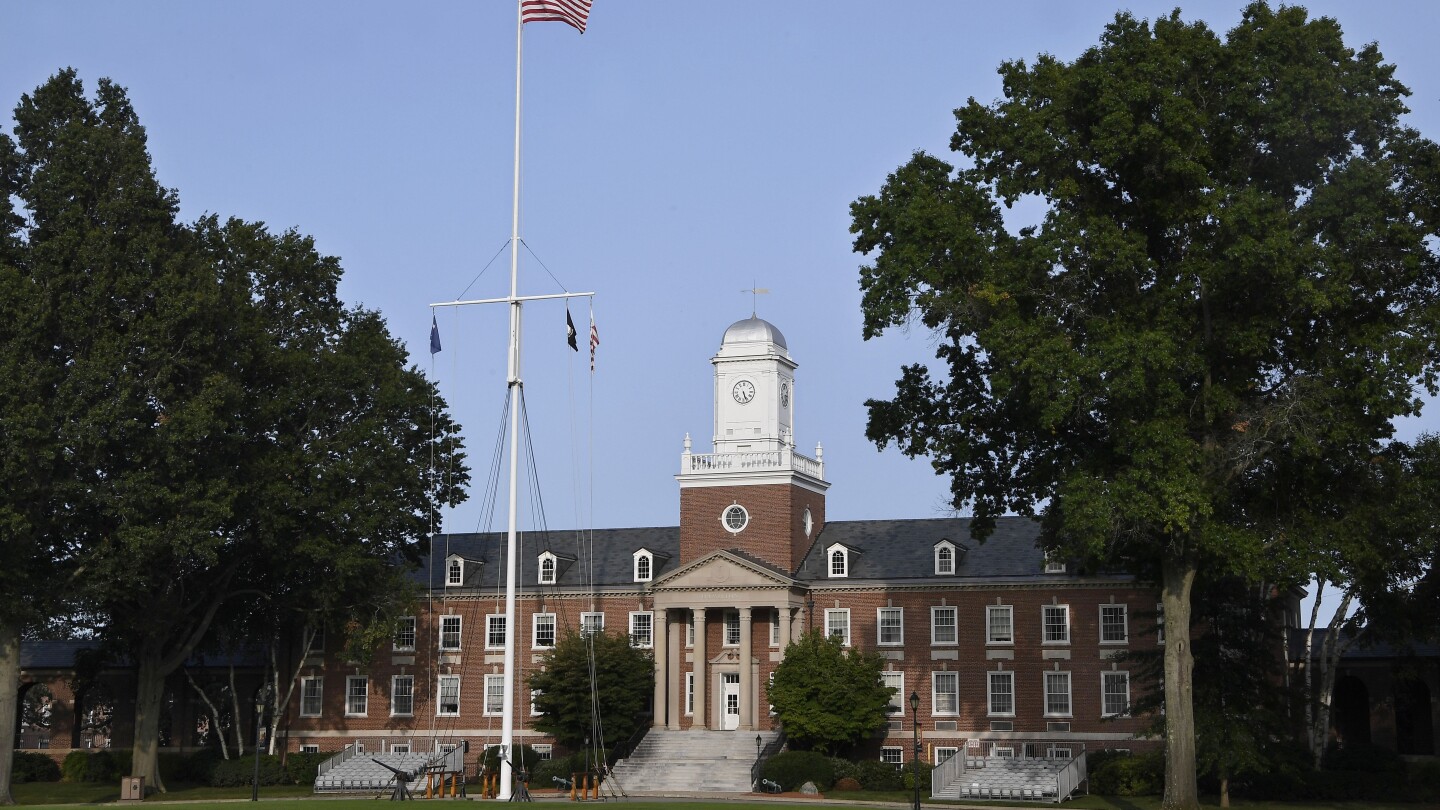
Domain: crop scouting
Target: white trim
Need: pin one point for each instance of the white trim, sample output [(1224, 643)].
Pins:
[(440, 696), (689, 694), (954, 612), (648, 558), (395, 693), (535, 631), (945, 552), (459, 633), (737, 511), (1044, 626), (491, 620), (649, 641), (540, 572), (935, 693), (838, 612), (1124, 624), (591, 614), (318, 697), (1009, 611), (1069, 693), (401, 631), (454, 571), (362, 695), (1124, 677), (897, 700), (833, 551), (494, 687), (726, 625), (990, 693), (880, 626)]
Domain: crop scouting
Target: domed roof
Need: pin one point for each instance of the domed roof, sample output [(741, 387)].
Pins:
[(753, 329)]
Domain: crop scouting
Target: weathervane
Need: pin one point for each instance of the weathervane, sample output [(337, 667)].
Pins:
[(755, 293)]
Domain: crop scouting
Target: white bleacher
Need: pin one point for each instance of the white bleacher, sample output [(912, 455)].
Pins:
[(365, 773), (1008, 779)]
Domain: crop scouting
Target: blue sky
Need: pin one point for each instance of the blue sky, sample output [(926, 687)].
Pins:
[(675, 154)]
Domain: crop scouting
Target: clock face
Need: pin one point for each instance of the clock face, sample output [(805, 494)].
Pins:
[(744, 391), (784, 395)]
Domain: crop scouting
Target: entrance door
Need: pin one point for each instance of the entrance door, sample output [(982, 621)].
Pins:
[(730, 695)]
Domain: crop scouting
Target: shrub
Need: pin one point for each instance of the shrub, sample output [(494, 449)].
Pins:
[(877, 775), (301, 768), (791, 769), (1364, 757), (847, 783), (240, 772), (194, 768), (99, 765), (30, 766), (907, 777), (1135, 775), (546, 770)]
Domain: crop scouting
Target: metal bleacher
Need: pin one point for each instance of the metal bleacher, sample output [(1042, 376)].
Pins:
[(1011, 778), (351, 771)]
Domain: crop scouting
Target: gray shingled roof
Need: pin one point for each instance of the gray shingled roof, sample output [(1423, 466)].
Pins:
[(608, 554)]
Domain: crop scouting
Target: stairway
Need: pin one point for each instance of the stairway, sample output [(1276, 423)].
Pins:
[(688, 762), (1007, 778), (364, 773)]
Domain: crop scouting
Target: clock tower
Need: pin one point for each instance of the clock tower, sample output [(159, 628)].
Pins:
[(754, 493)]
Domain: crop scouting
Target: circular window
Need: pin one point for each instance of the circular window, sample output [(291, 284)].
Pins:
[(808, 522), (735, 518)]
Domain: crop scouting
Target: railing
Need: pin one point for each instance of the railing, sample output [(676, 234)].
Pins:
[(948, 772), (344, 756), (757, 461), (764, 756), (628, 747), (1070, 777)]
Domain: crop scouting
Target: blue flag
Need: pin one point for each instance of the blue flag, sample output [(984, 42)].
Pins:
[(434, 336)]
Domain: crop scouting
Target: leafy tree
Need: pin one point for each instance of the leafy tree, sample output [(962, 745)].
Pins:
[(829, 697), (226, 433), (594, 686), (1232, 283)]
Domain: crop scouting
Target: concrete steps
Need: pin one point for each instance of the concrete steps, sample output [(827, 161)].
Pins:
[(682, 762)]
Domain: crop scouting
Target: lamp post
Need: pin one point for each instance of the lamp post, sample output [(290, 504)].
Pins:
[(261, 698), (915, 722), (758, 741)]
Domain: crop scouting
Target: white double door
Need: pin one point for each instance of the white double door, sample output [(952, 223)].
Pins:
[(730, 701)]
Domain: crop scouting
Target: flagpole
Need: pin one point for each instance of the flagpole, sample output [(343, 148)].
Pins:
[(507, 723)]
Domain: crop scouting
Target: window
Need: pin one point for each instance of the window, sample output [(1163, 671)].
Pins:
[(1114, 629), (1053, 565), (896, 682), (592, 623), (494, 695), (495, 631), (892, 626), (1056, 624), (454, 571), (547, 569), (1002, 693), (399, 748), (543, 751), (732, 628), (689, 628), (644, 563), (893, 756), (775, 628), (1057, 694), (449, 703), (947, 692), (449, 632), (735, 518), (839, 562), (689, 693), (944, 559), (310, 693), (357, 696), (544, 630), (309, 748), (837, 623), (405, 634), (1114, 693), (642, 630), (999, 624), (944, 752), (942, 625), (534, 696), (402, 695)]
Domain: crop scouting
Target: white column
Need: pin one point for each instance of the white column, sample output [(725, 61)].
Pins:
[(747, 689), (660, 636), (787, 626), (702, 706), (674, 649)]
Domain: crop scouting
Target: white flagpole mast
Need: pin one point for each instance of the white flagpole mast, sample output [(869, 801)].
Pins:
[(507, 723)]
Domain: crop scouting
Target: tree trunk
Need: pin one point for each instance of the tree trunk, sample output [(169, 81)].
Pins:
[(1177, 574), (1314, 737), (214, 713), (1224, 791), (9, 703), (238, 719), (1330, 653), (149, 693)]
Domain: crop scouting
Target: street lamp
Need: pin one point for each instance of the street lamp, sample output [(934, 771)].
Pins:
[(758, 740), (261, 698), (915, 721)]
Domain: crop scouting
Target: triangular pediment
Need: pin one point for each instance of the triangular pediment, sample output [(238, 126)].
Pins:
[(722, 569)]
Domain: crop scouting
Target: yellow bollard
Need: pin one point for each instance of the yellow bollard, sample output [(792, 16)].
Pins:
[(574, 777)]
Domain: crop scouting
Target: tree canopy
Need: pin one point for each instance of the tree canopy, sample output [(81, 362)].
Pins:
[(217, 431), (593, 686), (1233, 284), (829, 697)]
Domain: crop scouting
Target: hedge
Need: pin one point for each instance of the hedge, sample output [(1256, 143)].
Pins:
[(240, 772), (97, 765), (791, 769), (29, 766)]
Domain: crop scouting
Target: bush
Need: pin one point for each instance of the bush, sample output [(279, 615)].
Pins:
[(1364, 757), (545, 771), (907, 777), (29, 766), (791, 769), (1127, 775), (877, 775), (240, 772), (99, 765), (193, 768), (301, 768), (847, 783)]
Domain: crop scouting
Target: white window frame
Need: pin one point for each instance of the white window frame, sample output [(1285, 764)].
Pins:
[(643, 559), (730, 635), (950, 705), (1052, 709), (454, 572), (543, 751), (995, 639), (539, 620), (689, 694), (954, 613), (440, 686), (495, 631), (893, 755), (1106, 678), (1054, 566), (840, 614), (396, 692), (689, 628), (896, 680), (592, 622), (898, 627), (994, 680), (311, 705), (458, 632), (775, 629), (352, 694), (944, 752), (1045, 624), (494, 696), (547, 568), (406, 629), (400, 748), (642, 638), (534, 709), (945, 559), (309, 748), (837, 561), (1124, 624), (741, 518)]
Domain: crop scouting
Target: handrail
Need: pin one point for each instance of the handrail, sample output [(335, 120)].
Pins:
[(1070, 777), (628, 747), (764, 756), (949, 771), (341, 758)]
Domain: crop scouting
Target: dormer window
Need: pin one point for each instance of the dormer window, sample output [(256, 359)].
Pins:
[(947, 558), (454, 572), (547, 568), (644, 566), (1054, 565), (839, 558)]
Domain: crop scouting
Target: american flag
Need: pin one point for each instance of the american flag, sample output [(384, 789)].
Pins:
[(594, 341), (571, 12)]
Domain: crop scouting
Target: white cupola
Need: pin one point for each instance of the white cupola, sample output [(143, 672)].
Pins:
[(754, 390)]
